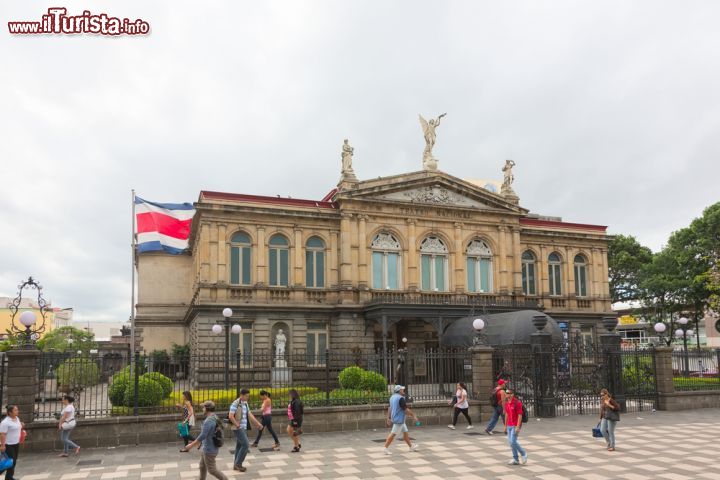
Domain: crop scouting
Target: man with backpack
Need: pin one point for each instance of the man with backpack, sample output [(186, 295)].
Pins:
[(240, 416), (211, 439), (515, 416), (497, 400)]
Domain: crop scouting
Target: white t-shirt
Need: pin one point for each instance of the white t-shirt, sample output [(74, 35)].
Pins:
[(70, 410), (459, 395), (11, 429)]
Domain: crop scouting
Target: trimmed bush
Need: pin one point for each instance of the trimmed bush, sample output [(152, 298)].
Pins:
[(116, 390), (166, 384), (373, 382), (223, 398), (77, 373), (350, 377), (128, 370), (150, 393), (346, 397)]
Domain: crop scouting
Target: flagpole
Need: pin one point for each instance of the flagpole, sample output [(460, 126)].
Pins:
[(133, 246)]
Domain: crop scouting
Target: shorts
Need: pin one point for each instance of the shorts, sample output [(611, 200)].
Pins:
[(399, 428)]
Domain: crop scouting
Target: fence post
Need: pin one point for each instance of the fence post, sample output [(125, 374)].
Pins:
[(482, 377), (327, 376), (22, 381), (237, 373), (136, 371), (544, 393), (664, 383)]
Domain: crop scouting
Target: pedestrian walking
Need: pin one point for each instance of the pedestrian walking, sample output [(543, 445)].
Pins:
[(266, 420), (10, 430), (397, 411), (609, 416), (461, 406), (188, 417), (66, 425), (497, 401), (295, 417), (206, 438), (514, 421), (240, 416)]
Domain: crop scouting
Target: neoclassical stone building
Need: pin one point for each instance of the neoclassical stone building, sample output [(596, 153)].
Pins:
[(373, 261)]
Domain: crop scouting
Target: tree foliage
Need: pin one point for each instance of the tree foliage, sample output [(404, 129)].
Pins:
[(67, 339), (626, 258)]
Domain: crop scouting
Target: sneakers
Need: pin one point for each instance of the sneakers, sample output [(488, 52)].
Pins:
[(513, 462), (489, 432), (386, 451), (451, 427), (523, 459), (469, 427), (414, 447)]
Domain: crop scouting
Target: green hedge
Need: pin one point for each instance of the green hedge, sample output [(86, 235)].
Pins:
[(150, 393), (77, 373), (343, 396), (166, 384), (116, 390), (355, 378)]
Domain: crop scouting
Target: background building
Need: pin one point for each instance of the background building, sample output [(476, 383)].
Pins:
[(27, 304), (371, 263)]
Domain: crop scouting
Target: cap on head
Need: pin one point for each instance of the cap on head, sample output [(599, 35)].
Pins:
[(501, 382), (209, 405), (398, 388)]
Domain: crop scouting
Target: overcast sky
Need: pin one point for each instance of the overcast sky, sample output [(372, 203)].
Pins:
[(611, 111)]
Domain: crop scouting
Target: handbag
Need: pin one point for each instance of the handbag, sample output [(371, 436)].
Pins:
[(23, 435), (596, 433), (68, 425), (5, 461), (183, 429), (612, 415), (453, 401)]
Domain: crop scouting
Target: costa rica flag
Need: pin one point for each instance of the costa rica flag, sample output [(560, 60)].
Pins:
[(163, 226)]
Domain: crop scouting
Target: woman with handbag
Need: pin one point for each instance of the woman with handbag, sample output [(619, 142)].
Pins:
[(295, 417), (66, 425), (460, 405), (188, 418), (10, 431), (609, 416)]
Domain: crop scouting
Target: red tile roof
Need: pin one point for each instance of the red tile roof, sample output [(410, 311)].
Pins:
[(241, 197), (536, 222)]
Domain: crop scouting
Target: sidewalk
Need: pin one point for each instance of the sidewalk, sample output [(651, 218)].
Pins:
[(665, 445)]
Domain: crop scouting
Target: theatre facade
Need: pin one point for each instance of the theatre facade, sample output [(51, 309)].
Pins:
[(369, 264)]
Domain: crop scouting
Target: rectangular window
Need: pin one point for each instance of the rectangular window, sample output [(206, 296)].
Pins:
[(273, 267), (392, 271), (528, 278), (234, 265), (555, 288), (470, 267), (425, 269), (245, 344), (377, 269), (246, 262), (580, 281), (316, 344), (319, 269), (440, 274), (485, 275), (309, 269), (284, 265)]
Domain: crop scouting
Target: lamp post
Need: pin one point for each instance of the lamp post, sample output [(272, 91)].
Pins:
[(660, 328), (28, 328), (685, 331), (480, 338), (217, 330)]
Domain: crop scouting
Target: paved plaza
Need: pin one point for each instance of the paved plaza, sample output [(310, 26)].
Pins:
[(661, 445)]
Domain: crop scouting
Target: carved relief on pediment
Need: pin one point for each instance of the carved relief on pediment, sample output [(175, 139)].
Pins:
[(432, 195)]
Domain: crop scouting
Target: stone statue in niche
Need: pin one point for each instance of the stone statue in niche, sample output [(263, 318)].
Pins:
[(280, 341)]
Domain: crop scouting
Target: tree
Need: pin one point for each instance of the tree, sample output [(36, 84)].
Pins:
[(626, 258), (67, 339)]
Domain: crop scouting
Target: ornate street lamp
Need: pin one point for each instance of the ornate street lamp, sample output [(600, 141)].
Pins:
[(684, 332), (218, 329), (27, 325), (660, 328), (480, 338)]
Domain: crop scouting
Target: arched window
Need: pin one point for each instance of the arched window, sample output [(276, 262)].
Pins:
[(554, 265), (580, 276), (315, 262), (385, 262), (240, 259), (528, 272), (479, 267), (434, 264), (279, 261)]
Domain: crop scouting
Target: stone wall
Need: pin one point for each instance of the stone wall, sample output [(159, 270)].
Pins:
[(116, 431), (689, 400)]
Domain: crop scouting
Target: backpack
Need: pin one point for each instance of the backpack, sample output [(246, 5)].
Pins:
[(217, 437), (524, 413), (493, 398)]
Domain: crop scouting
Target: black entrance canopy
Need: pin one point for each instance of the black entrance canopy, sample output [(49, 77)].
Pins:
[(500, 328)]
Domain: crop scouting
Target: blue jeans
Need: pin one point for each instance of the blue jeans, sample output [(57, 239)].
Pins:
[(65, 439), (241, 446), (497, 413), (514, 445), (607, 427)]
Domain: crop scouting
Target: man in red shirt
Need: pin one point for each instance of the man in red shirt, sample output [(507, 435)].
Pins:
[(513, 421), (498, 407)]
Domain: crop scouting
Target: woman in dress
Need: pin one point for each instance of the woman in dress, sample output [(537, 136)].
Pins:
[(295, 417), (188, 415), (10, 429), (66, 425), (266, 420), (461, 406), (609, 416)]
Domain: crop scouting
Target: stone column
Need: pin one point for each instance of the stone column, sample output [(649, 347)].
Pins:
[(664, 377), (261, 257), (610, 350), (363, 278), (459, 257), (297, 278), (413, 280), (334, 256), (482, 378), (213, 254), (594, 271), (503, 260), (204, 252), (222, 272), (516, 283), (544, 391), (345, 251), (22, 381)]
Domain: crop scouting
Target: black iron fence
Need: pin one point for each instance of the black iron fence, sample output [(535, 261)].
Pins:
[(696, 369), (3, 378), (116, 385)]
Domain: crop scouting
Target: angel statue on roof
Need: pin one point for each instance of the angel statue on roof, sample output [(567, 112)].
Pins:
[(430, 162)]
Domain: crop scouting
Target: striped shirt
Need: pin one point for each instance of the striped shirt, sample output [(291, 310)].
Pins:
[(244, 409)]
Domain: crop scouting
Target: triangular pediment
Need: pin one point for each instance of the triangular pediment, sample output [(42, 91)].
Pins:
[(429, 188)]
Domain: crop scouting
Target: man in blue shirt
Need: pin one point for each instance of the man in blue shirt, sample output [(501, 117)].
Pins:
[(396, 417), (240, 416), (209, 450)]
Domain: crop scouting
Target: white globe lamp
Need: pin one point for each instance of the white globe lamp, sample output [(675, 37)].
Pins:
[(690, 332), (660, 327), (236, 329), (679, 333), (227, 313), (478, 324), (28, 319), (217, 329)]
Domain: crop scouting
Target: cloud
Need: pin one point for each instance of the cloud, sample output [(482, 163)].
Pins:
[(610, 111)]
